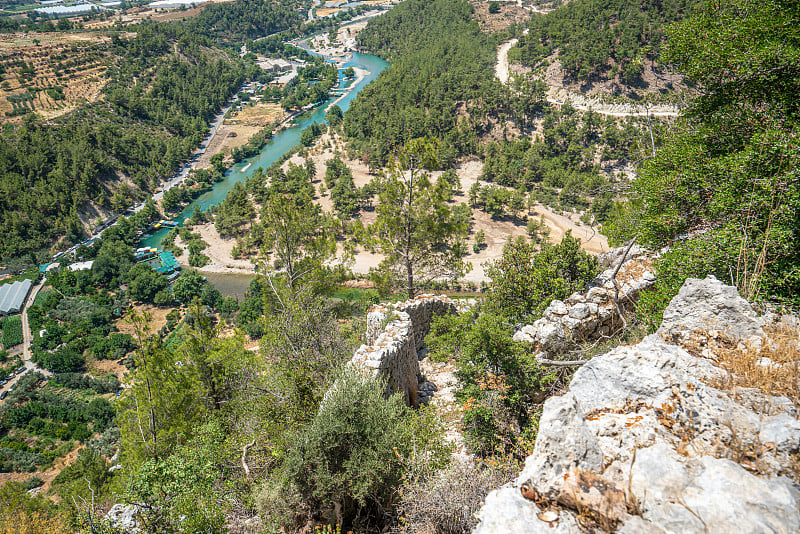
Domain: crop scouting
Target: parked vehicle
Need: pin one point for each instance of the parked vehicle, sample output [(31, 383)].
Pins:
[(3, 395)]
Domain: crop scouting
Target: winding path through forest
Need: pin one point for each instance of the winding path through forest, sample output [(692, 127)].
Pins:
[(579, 101)]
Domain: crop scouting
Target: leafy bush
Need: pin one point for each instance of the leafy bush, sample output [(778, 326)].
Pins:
[(32, 482), (19, 461), (353, 456), (180, 488), (525, 281), (64, 360), (89, 474), (107, 442)]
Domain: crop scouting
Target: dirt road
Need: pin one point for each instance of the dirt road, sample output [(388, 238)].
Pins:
[(501, 69), (27, 338), (558, 96)]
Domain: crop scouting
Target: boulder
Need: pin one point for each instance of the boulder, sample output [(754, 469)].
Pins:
[(123, 517), (650, 438), (564, 442), (708, 308)]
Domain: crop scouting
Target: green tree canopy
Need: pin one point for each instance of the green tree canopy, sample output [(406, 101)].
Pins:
[(525, 280), (297, 239), (144, 283), (728, 177), (416, 229), (190, 284), (113, 262)]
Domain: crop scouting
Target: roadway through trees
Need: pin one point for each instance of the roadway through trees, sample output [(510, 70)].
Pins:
[(578, 101)]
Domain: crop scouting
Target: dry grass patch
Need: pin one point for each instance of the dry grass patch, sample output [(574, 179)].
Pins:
[(158, 318), (447, 501), (773, 368)]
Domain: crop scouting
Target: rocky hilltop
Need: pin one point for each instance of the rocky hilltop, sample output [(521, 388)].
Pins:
[(662, 437)]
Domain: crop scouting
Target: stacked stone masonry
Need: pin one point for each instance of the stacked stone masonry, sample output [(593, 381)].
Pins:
[(395, 335), (653, 438), (592, 314)]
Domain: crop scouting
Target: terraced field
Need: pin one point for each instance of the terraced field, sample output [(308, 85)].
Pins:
[(50, 75)]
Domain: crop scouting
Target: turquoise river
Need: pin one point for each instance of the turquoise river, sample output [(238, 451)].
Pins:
[(280, 143)]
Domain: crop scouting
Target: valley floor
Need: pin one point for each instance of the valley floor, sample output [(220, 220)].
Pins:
[(497, 231)]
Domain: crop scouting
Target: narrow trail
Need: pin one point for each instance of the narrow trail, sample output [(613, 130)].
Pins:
[(578, 101), (442, 384), (501, 69)]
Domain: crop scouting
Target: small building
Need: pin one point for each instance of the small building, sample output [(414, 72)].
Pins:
[(13, 295), (81, 266), (274, 65), (163, 262)]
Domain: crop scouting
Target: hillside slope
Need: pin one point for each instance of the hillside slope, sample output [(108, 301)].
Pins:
[(674, 434)]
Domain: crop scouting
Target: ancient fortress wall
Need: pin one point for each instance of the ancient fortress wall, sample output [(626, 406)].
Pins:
[(593, 313), (395, 334)]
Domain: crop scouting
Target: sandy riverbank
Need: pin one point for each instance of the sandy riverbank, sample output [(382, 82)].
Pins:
[(497, 232), (360, 75), (219, 252), (237, 129)]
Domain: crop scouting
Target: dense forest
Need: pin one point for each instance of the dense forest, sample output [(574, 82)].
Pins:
[(237, 21), (440, 82), (723, 190), (166, 85), (602, 38)]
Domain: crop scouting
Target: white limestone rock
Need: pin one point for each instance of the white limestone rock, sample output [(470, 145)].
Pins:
[(650, 420), (564, 441), (688, 495), (124, 517), (506, 510), (703, 305)]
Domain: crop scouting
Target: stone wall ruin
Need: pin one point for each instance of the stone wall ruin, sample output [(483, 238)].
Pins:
[(592, 314), (395, 335)]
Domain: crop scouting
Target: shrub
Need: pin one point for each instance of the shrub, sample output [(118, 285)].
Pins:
[(447, 502), (525, 281), (502, 384), (32, 482), (353, 456), (696, 258)]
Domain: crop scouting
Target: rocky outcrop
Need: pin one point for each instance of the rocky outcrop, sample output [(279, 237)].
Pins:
[(395, 335), (710, 308), (123, 517), (649, 438), (593, 313)]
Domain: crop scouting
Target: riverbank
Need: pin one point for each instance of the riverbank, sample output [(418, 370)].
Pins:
[(497, 232), (369, 67), (236, 130)]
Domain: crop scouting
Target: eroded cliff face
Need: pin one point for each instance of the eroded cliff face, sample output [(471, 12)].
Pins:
[(657, 437)]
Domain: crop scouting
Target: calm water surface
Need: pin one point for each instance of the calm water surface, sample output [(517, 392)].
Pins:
[(280, 143)]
